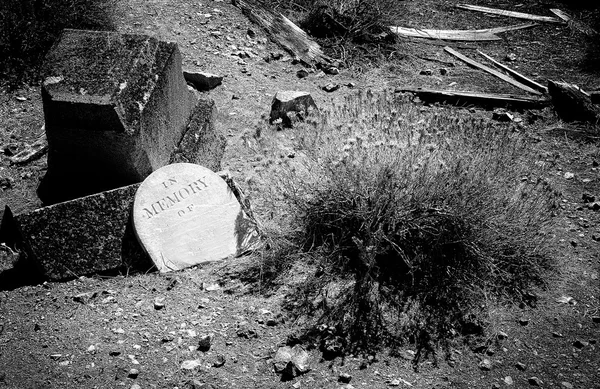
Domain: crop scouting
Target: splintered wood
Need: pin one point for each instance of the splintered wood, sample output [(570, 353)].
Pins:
[(515, 74), (488, 34), (475, 98), (285, 33), (512, 14)]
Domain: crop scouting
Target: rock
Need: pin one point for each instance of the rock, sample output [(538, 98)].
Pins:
[(291, 361), (55, 357), (426, 72), (159, 303), (185, 214), (523, 321), (115, 107), (331, 87), (502, 116), (580, 344), (485, 365), (114, 353), (271, 322), (511, 57), (195, 384), (82, 298), (285, 102), (202, 81), (508, 380), (344, 378), (78, 237), (520, 366), (566, 385), (205, 342), (302, 73), (133, 373), (557, 335), (534, 381), (191, 364), (595, 206), (495, 386), (350, 85), (331, 70), (569, 175), (501, 335), (135, 386), (219, 361), (588, 198), (5, 183), (245, 331), (443, 71)]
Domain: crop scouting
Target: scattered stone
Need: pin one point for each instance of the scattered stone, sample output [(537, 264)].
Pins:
[(567, 385), (114, 353), (495, 385), (331, 87), (219, 361), (350, 85), (82, 298), (133, 373), (20, 98), (133, 106), (291, 361), (32, 151), (202, 81), (184, 214), (535, 381), (344, 378), (569, 175), (426, 72), (135, 386), (588, 198), (191, 364), (159, 303), (302, 73), (91, 349), (285, 102), (580, 344), (595, 206), (331, 70), (205, 342), (502, 116), (5, 183), (55, 357), (557, 335), (502, 335), (443, 71), (245, 331), (520, 366), (523, 321), (511, 57), (566, 300), (508, 380), (195, 384), (485, 365), (271, 322)]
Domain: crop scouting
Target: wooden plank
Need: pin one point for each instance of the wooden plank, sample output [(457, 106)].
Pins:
[(515, 74), (512, 14), (491, 71), (281, 30), (487, 34), (476, 98)]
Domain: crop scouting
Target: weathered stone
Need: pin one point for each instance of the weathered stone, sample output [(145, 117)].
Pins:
[(285, 102), (202, 81), (115, 107), (185, 214), (83, 236), (202, 143), (291, 361)]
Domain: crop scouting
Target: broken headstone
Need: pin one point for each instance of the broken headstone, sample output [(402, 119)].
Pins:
[(78, 237), (185, 214), (286, 102), (115, 108)]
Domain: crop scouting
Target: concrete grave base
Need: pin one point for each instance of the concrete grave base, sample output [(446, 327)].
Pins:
[(116, 106)]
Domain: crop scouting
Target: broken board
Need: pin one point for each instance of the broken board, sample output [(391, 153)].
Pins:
[(511, 14), (488, 34), (185, 214)]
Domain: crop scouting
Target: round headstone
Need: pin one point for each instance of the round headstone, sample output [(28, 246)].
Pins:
[(185, 214)]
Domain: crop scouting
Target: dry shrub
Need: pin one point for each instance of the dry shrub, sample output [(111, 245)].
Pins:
[(29, 27), (408, 223)]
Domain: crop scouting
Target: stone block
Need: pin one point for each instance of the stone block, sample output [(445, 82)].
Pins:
[(115, 108), (88, 235), (288, 104)]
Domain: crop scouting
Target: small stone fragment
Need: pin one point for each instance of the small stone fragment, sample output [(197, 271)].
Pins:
[(520, 366), (557, 334), (580, 344), (502, 335), (55, 357), (191, 364), (114, 353), (485, 365), (502, 116), (508, 380), (291, 361), (245, 331), (535, 381), (285, 102), (523, 321), (302, 73), (588, 198), (332, 70), (135, 386), (443, 71), (219, 361), (344, 378), (195, 384), (205, 342), (567, 385), (426, 72), (569, 175), (133, 373), (159, 303), (331, 87)]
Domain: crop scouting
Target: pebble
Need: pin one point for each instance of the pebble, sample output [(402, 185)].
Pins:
[(331, 87), (534, 381), (219, 361), (580, 344), (508, 380), (205, 342), (344, 378), (485, 365), (520, 366), (502, 335), (159, 304), (133, 373), (567, 385), (523, 321), (426, 72), (302, 73), (135, 386)]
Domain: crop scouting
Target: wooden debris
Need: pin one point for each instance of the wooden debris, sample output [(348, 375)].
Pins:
[(571, 103), (285, 33), (525, 80), (574, 24), (32, 151), (491, 71), (476, 98), (488, 34), (512, 14)]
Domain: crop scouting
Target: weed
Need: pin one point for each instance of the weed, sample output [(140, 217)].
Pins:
[(408, 223)]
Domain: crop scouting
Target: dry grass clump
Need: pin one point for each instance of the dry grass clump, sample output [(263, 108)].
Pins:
[(29, 27), (408, 223)]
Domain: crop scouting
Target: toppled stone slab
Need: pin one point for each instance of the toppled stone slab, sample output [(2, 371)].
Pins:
[(291, 104), (185, 214), (202, 81), (84, 236), (115, 107), (202, 143)]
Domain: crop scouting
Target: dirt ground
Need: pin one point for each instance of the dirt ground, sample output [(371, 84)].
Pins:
[(91, 332)]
